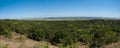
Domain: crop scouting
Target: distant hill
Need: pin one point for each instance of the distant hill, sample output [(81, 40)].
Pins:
[(70, 18)]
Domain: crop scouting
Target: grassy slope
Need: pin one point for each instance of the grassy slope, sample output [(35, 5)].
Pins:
[(20, 41)]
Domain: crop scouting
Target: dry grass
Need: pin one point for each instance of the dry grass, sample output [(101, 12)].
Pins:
[(113, 45)]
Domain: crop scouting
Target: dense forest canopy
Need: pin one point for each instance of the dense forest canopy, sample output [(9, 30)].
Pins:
[(94, 33)]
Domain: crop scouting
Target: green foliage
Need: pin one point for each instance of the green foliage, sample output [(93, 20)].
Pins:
[(37, 33), (102, 37), (63, 37), (5, 31), (20, 39), (41, 46), (94, 33), (84, 37), (111, 37), (4, 46)]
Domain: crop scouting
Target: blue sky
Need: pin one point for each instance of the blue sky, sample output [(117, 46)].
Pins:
[(16, 9)]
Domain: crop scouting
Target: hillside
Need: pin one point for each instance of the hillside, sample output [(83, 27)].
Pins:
[(95, 33), (71, 18)]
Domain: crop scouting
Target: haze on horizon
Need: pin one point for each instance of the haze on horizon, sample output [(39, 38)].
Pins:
[(16, 9)]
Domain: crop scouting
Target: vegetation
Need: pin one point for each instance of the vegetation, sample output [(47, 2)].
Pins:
[(94, 33)]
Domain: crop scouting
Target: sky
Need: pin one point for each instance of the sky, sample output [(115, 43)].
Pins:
[(17, 9)]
